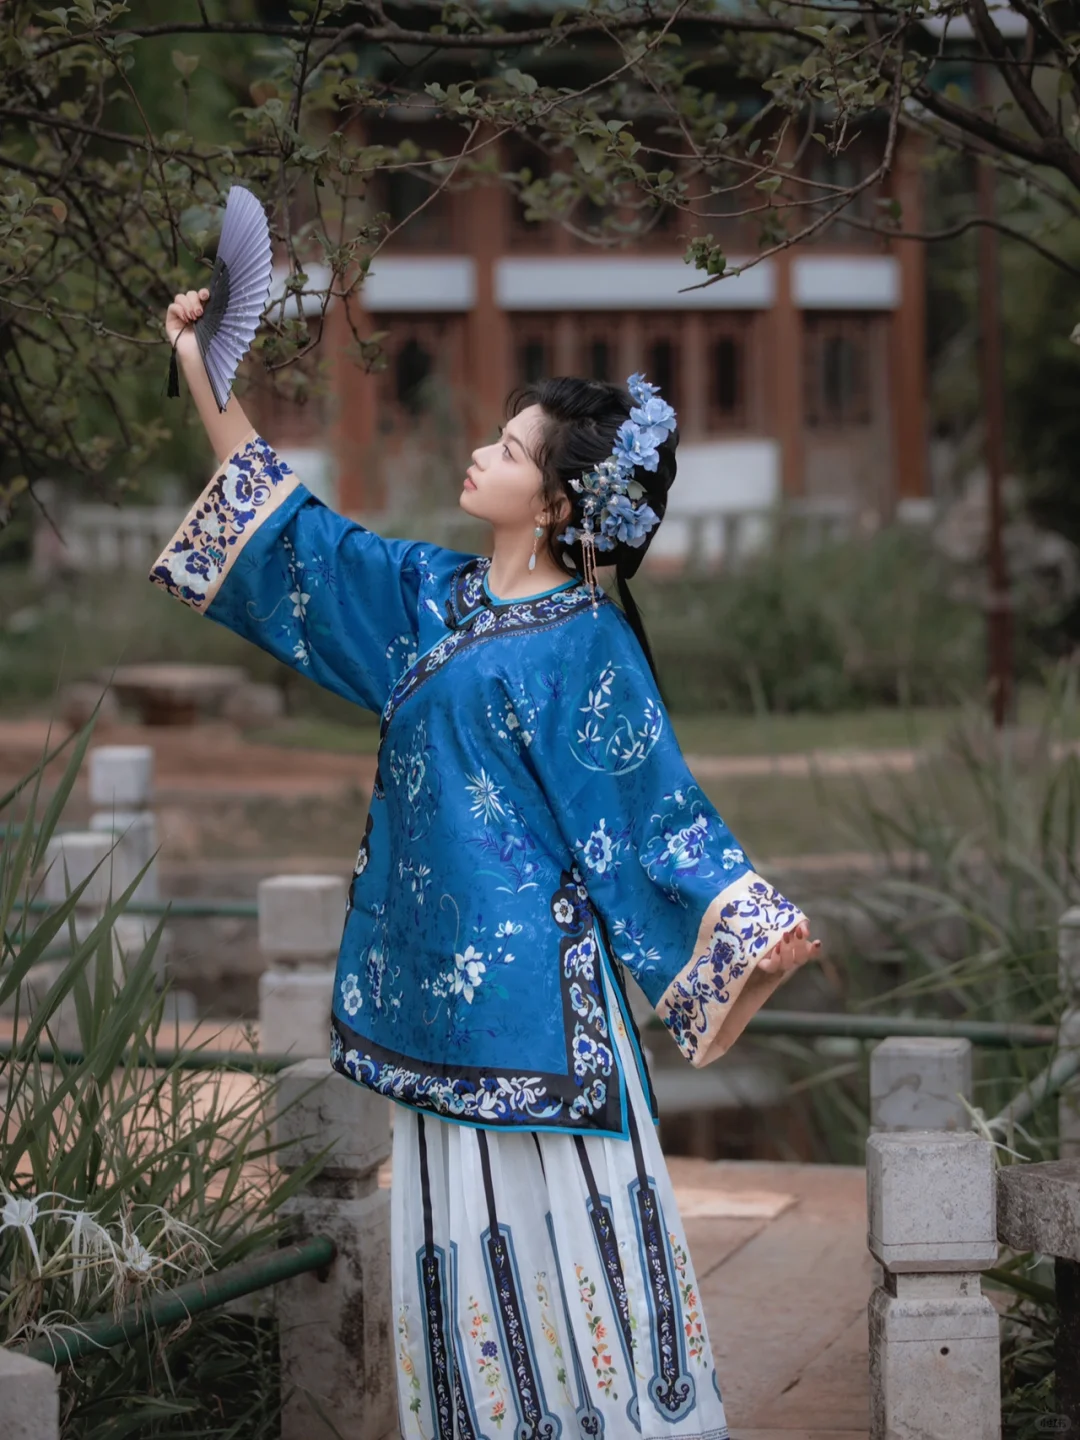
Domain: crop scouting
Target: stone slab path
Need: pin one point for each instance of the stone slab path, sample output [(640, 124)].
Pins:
[(785, 1277), (214, 756)]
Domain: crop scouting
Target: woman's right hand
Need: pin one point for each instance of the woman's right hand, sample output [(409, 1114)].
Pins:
[(184, 311)]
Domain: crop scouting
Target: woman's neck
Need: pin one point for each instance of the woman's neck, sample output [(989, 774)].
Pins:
[(510, 577)]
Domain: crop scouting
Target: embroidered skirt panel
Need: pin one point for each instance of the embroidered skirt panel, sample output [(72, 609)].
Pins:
[(543, 1287)]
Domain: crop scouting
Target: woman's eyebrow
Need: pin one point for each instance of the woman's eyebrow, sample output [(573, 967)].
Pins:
[(506, 435)]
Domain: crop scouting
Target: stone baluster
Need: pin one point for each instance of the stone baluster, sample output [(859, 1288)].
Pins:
[(121, 782), (301, 918), (1069, 1031), (335, 1330), (69, 859), (916, 1082), (122, 792), (29, 1398), (934, 1341)]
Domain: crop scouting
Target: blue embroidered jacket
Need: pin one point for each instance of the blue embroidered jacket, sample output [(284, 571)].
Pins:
[(532, 822)]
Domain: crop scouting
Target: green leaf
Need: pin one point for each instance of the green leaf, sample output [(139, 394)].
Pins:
[(588, 151), (517, 80), (186, 64)]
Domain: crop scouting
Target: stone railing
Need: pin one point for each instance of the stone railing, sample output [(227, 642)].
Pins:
[(102, 539), (938, 1206)]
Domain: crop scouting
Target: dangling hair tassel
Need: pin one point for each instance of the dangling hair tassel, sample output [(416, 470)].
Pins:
[(174, 376), (588, 563)]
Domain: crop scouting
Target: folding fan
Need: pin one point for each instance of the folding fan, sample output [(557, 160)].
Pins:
[(239, 286)]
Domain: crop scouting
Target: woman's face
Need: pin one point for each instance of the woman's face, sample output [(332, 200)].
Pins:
[(502, 485)]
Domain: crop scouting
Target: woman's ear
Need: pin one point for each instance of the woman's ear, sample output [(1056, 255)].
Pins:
[(561, 510)]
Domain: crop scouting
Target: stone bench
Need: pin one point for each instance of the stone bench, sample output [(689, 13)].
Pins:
[(172, 694)]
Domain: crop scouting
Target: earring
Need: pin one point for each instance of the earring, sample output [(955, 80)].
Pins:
[(538, 531)]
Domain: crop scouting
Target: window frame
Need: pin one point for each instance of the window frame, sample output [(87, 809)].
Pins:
[(820, 329)]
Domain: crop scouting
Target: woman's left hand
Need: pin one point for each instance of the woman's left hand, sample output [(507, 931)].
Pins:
[(792, 951)]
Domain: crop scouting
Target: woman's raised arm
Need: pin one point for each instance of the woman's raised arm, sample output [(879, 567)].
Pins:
[(227, 429)]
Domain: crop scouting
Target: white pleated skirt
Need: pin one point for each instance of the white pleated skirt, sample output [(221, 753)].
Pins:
[(542, 1284)]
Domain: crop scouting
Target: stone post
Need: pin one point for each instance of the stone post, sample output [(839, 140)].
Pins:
[(29, 1398), (301, 918), (335, 1330), (934, 1341), (916, 1082), (122, 794), (69, 859), (1069, 1031), (121, 779)]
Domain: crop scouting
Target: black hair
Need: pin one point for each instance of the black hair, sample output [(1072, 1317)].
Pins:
[(581, 419)]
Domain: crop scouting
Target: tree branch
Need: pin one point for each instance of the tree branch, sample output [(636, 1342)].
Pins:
[(953, 232)]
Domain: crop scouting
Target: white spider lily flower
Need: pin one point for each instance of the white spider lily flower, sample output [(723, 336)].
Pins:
[(138, 1260), (92, 1247), (182, 1235), (22, 1212)]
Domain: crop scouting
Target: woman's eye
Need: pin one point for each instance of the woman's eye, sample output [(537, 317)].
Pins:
[(506, 452)]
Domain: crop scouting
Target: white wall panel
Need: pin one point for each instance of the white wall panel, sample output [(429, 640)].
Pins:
[(617, 282), (416, 282)]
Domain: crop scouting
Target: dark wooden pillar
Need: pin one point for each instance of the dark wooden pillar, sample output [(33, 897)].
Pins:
[(352, 425), (785, 348), (487, 333), (908, 331)]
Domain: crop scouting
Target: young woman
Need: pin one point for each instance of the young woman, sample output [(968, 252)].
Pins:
[(534, 832)]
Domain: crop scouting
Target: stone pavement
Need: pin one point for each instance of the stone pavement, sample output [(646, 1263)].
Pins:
[(785, 1277)]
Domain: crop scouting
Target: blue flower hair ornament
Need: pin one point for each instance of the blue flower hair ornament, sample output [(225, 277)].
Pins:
[(613, 510)]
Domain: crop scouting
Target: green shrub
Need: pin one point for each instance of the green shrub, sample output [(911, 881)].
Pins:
[(868, 621)]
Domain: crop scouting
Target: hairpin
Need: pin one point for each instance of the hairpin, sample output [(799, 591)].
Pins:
[(613, 510)]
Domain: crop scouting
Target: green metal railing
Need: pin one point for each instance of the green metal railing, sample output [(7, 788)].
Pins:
[(177, 908), (1045, 1086), (995, 1034), (167, 1307), (249, 1061)]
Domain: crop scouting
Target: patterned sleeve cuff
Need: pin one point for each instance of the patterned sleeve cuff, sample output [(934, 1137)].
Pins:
[(707, 1005), (242, 494)]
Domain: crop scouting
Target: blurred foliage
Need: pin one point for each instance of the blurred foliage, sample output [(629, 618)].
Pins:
[(863, 622), (1040, 305)]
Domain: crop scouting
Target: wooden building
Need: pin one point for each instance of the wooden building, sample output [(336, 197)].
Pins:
[(804, 377)]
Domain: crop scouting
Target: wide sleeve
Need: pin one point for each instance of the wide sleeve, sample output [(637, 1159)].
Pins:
[(261, 555), (679, 902)]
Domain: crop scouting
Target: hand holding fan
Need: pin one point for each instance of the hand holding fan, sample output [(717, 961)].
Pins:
[(239, 286)]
